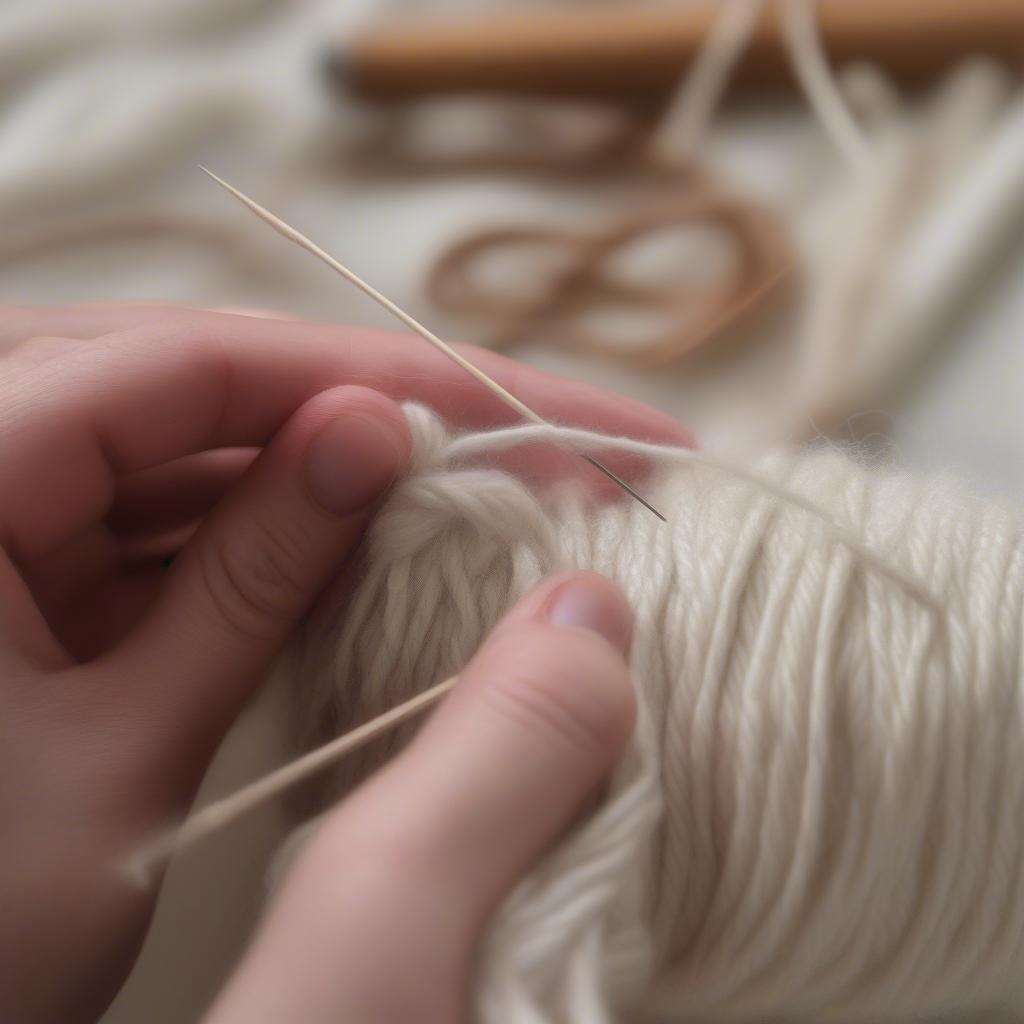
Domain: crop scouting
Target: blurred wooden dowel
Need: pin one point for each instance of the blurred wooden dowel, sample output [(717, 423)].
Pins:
[(634, 53)]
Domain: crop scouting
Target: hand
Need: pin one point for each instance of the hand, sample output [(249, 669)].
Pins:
[(380, 919), (256, 450)]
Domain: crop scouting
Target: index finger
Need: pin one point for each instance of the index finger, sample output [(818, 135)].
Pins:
[(195, 381)]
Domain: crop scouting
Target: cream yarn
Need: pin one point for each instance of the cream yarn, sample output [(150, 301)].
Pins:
[(822, 813)]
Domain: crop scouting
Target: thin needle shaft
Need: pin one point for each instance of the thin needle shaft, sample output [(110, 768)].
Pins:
[(615, 478), (221, 813), (287, 231)]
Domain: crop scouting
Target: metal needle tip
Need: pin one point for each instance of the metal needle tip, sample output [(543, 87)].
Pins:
[(615, 478)]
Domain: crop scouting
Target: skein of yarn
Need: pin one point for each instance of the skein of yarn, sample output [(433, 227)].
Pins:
[(821, 816)]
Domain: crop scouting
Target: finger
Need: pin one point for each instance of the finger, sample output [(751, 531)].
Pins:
[(254, 568), (78, 322), (209, 381), (178, 492), (397, 363), (86, 321), (404, 875)]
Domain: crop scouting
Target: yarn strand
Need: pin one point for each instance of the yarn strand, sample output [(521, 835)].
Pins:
[(512, 437)]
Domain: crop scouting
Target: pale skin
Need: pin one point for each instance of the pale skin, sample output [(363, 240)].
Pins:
[(255, 450)]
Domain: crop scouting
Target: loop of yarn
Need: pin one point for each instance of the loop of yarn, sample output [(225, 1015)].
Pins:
[(821, 816)]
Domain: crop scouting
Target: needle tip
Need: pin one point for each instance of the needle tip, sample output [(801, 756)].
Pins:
[(216, 177), (615, 478)]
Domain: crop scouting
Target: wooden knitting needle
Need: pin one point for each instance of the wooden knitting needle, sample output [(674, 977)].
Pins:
[(635, 52), (143, 864), (414, 325)]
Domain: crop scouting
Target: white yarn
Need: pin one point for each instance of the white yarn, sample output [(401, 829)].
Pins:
[(821, 816), (918, 223)]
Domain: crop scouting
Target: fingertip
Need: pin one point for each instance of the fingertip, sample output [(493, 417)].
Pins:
[(562, 692), (556, 673), (353, 399), (576, 403), (360, 445), (590, 601), (645, 423), (563, 652), (579, 599)]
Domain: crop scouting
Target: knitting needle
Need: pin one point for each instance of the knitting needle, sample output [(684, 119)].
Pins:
[(212, 818), (414, 325)]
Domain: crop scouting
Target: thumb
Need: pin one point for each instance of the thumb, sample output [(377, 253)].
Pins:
[(257, 564), (380, 917)]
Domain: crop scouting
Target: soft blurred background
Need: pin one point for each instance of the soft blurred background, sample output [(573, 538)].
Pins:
[(774, 220)]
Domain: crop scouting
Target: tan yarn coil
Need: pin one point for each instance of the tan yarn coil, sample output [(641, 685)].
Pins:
[(821, 816)]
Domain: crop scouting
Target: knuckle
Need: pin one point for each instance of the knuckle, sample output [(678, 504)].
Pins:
[(254, 579), (571, 689)]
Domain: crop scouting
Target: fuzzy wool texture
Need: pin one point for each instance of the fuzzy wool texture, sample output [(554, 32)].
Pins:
[(821, 814)]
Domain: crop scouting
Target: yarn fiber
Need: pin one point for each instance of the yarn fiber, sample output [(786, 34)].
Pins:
[(821, 815)]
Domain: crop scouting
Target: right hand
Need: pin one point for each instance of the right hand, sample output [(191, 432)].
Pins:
[(381, 917)]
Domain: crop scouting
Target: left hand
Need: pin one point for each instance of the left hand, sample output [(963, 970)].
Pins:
[(255, 450)]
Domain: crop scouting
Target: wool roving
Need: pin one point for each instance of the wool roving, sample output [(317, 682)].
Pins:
[(821, 816)]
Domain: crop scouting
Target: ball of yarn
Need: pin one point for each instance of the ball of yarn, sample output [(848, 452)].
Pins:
[(821, 815)]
